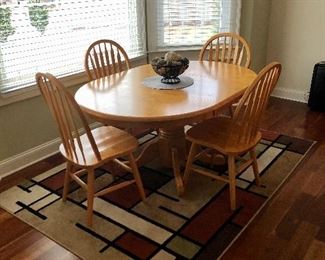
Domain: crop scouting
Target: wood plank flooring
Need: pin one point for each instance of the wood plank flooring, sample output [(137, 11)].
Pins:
[(291, 226), (20, 241)]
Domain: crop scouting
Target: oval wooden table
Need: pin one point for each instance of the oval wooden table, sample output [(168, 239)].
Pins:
[(122, 100)]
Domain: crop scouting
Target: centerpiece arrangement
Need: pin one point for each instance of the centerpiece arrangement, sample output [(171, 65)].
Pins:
[(170, 67)]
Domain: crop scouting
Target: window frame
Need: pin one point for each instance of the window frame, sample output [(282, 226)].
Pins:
[(18, 62), (72, 80), (234, 7), (77, 79)]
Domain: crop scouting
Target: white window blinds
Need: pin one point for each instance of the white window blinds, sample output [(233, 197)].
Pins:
[(53, 35), (184, 23)]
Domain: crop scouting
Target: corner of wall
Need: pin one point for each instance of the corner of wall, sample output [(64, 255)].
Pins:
[(255, 19)]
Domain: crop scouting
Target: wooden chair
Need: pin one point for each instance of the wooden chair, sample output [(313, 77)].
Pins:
[(234, 136), (227, 47), (105, 57), (90, 150)]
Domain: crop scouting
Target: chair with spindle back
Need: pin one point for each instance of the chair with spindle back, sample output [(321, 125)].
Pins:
[(229, 48), (90, 150), (105, 57), (233, 137)]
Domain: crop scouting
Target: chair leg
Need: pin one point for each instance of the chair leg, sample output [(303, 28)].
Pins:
[(113, 170), (255, 167), (232, 181), (90, 196), (189, 163), (136, 175), (67, 179)]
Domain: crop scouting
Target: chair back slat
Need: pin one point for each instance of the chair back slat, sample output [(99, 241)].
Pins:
[(235, 54), (102, 65), (113, 59), (91, 61), (108, 60), (72, 128), (239, 57), (210, 52), (105, 57), (68, 116), (229, 50), (96, 63), (119, 61), (228, 47), (217, 52), (248, 113), (223, 50)]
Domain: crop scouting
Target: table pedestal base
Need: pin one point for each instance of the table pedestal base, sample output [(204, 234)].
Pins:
[(170, 147), (171, 139), (172, 152)]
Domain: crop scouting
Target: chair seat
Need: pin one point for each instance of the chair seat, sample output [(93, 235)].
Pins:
[(111, 142), (215, 133)]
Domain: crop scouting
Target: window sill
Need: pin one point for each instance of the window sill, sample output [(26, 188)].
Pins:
[(68, 81), (176, 49), (32, 91)]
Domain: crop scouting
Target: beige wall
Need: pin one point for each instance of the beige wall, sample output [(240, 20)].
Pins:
[(27, 124), (297, 40), (24, 125)]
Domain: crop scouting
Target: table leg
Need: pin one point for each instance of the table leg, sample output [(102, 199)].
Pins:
[(177, 172)]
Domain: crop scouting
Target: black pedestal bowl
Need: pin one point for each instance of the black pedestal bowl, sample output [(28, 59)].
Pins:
[(169, 70)]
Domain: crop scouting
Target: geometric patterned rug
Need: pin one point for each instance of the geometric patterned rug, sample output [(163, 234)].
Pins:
[(198, 225)]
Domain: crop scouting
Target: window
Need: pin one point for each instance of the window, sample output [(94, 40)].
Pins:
[(188, 23), (53, 35)]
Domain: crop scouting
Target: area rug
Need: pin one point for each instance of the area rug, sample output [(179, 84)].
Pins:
[(199, 225)]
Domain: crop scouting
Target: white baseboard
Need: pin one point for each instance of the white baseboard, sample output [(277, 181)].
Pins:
[(17, 162), (290, 94), (31, 156)]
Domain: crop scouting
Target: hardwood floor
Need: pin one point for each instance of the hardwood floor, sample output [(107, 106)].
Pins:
[(20, 241), (291, 226)]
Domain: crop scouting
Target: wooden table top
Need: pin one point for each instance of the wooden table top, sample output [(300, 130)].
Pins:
[(123, 97)]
